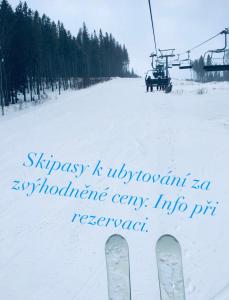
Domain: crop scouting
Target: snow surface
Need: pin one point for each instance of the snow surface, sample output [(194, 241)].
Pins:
[(45, 256)]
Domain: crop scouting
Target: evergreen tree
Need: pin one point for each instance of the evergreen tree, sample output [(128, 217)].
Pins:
[(37, 54), (203, 76)]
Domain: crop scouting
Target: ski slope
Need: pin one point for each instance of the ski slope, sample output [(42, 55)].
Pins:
[(43, 255)]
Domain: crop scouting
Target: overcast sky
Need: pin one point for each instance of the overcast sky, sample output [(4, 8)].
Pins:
[(179, 24)]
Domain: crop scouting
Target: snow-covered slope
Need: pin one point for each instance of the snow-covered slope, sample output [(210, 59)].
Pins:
[(43, 255)]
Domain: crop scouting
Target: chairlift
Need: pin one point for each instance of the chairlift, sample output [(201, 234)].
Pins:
[(186, 63), (160, 76), (217, 60), (166, 55), (176, 62), (170, 65), (159, 71), (167, 52)]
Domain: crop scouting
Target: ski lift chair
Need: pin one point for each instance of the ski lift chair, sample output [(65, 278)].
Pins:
[(159, 71), (176, 62), (186, 63), (215, 63), (217, 60)]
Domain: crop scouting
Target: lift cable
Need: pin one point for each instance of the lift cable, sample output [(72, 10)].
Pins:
[(199, 45), (154, 36)]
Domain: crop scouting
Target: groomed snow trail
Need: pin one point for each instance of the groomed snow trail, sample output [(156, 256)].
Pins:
[(45, 256)]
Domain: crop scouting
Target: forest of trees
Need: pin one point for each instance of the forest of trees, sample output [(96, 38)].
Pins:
[(202, 76), (37, 54)]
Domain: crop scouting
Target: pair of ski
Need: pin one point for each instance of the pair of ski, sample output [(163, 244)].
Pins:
[(170, 270)]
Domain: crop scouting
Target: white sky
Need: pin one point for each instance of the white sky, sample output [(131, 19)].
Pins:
[(179, 24)]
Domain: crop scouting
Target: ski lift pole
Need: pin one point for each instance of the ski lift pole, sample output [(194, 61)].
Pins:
[(225, 32), (166, 53), (153, 55), (1, 82), (167, 66), (189, 51)]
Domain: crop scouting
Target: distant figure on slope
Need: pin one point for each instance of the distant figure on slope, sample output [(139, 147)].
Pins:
[(149, 83), (159, 84)]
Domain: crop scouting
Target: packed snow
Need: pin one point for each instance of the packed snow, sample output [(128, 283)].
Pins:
[(44, 255)]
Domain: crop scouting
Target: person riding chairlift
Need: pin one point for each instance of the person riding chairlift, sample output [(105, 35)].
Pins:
[(159, 84), (149, 83)]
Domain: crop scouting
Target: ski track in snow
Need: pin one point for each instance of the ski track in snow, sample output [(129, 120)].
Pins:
[(223, 294), (42, 256)]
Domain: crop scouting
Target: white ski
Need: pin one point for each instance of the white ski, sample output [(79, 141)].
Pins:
[(118, 268), (170, 269)]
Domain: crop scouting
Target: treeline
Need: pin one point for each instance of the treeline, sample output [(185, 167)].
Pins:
[(202, 76), (37, 54)]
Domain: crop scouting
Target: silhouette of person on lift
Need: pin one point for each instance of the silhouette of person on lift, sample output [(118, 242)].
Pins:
[(149, 83), (159, 84)]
